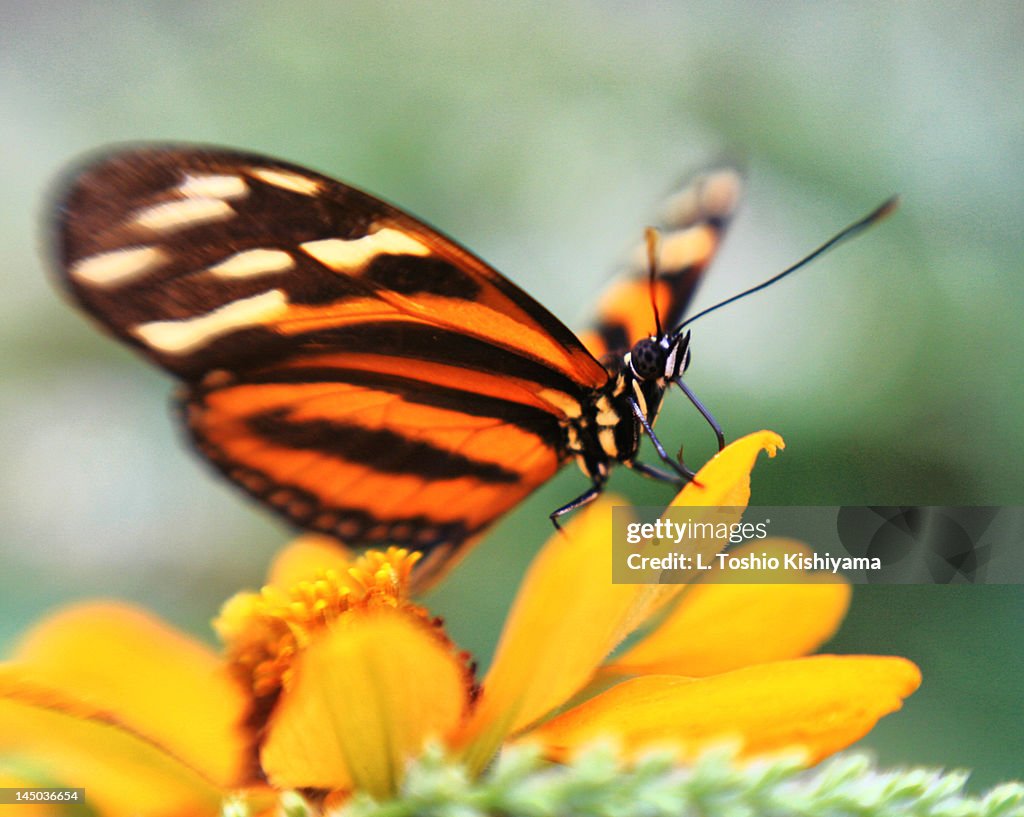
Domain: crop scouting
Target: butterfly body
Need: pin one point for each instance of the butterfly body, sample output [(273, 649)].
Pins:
[(349, 366)]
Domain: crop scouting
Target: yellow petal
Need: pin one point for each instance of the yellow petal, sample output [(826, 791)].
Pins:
[(722, 486), (817, 705), (367, 694), (306, 557), (157, 682), (717, 627), (81, 745), (725, 479), (565, 620)]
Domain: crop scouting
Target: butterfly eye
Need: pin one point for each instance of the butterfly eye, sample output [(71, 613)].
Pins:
[(648, 359)]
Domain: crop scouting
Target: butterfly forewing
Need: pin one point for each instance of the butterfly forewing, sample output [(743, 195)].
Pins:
[(207, 258), (692, 224), (346, 364)]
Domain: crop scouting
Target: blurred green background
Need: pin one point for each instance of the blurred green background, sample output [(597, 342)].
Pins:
[(543, 135)]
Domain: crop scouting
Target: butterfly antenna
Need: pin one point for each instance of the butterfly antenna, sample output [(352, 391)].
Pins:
[(653, 238), (873, 217)]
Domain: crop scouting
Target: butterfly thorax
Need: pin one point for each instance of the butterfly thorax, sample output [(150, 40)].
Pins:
[(608, 428)]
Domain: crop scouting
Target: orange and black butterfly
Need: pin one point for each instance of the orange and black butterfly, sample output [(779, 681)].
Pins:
[(356, 370)]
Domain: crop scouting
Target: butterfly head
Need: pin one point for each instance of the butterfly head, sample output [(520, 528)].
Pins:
[(660, 357)]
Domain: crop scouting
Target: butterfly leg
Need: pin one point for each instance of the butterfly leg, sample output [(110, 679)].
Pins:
[(678, 467), (704, 412), (658, 474), (585, 498)]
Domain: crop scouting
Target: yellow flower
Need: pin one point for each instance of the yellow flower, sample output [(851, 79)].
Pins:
[(337, 679)]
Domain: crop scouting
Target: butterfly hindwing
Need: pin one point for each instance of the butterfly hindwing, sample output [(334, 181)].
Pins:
[(344, 363), (374, 458), (692, 224)]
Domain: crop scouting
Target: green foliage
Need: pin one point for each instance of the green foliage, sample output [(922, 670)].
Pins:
[(521, 784)]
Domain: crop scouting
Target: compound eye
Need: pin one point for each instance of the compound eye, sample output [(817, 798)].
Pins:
[(648, 359)]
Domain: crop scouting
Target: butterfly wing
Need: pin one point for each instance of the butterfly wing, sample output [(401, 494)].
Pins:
[(376, 454), (346, 364), (203, 258), (692, 225)]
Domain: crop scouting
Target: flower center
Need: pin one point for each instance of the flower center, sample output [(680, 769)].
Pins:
[(263, 632)]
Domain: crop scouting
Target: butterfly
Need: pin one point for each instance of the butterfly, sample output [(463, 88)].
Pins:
[(357, 371)]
